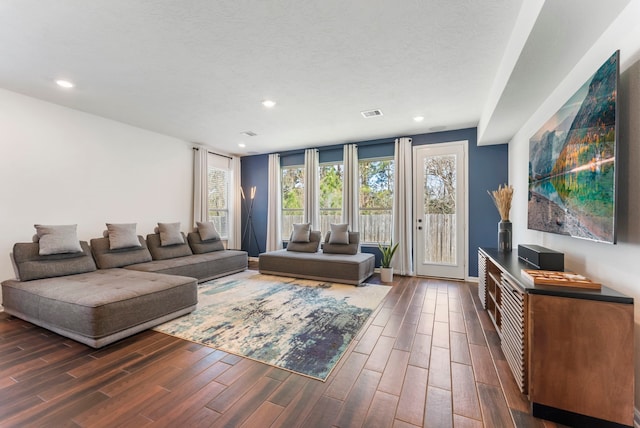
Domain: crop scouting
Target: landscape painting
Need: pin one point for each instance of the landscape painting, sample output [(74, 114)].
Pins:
[(572, 178)]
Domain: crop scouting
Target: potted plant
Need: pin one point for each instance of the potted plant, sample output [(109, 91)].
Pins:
[(386, 271)]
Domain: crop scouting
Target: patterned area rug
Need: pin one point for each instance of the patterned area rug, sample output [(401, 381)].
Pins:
[(299, 325)]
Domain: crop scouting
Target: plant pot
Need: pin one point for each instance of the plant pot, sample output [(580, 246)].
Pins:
[(386, 274)]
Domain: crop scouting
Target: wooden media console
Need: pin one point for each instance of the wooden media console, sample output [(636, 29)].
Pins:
[(570, 349)]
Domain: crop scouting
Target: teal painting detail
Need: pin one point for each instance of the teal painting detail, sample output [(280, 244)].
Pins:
[(572, 174)]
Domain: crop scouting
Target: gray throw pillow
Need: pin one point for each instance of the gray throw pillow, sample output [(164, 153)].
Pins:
[(300, 232), (122, 235), (170, 234), (207, 231), (339, 234), (58, 239)]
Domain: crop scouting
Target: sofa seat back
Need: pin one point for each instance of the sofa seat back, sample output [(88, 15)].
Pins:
[(107, 258), (198, 246), (159, 252), (31, 265)]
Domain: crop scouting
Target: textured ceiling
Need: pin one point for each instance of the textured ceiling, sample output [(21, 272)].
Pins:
[(199, 69)]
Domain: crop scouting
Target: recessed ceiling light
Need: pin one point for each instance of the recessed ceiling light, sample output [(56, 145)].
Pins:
[(268, 103), (418, 118), (242, 145), (64, 84)]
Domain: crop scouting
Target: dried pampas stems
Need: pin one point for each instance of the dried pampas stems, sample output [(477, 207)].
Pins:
[(502, 199)]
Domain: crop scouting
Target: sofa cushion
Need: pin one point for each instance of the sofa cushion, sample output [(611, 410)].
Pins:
[(58, 239), (198, 246), (350, 248), (306, 247), (160, 252), (348, 269), (207, 231), (339, 234), (122, 235), (31, 265), (91, 306), (106, 258), (200, 266), (170, 234), (301, 232)]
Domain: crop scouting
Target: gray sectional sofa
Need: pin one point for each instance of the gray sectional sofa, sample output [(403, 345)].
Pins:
[(203, 260), (130, 289), (335, 262)]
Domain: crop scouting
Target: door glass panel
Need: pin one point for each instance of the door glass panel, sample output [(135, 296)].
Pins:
[(439, 217)]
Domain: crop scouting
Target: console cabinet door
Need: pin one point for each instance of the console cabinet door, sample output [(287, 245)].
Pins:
[(580, 356), (514, 327)]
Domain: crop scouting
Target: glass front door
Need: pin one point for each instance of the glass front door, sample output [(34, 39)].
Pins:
[(440, 209)]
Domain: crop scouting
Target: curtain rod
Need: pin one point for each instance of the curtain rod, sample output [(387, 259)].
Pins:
[(213, 153)]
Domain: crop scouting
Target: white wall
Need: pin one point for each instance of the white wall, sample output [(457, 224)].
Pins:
[(62, 166), (617, 266)]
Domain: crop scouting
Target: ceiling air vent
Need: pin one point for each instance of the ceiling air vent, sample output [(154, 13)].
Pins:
[(248, 133), (371, 113)]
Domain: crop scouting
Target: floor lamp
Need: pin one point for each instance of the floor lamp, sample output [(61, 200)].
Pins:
[(249, 224)]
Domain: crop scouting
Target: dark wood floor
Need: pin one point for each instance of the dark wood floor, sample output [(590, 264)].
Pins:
[(427, 357)]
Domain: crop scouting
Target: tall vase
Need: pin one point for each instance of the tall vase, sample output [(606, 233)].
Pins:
[(504, 235)]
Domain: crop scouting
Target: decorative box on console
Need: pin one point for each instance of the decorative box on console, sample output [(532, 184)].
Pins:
[(541, 257)]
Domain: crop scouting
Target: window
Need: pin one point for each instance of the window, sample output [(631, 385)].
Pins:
[(218, 187), (331, 178), (292, 198), (376, 200)]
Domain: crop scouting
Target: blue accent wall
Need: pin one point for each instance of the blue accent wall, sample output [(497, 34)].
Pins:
[(255, 172), (488, 168)]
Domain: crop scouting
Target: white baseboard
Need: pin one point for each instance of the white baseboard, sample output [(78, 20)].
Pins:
[(253, 259), (472, 279)]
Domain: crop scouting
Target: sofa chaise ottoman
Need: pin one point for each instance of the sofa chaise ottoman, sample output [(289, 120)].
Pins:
[(65, 293), (335, 262)]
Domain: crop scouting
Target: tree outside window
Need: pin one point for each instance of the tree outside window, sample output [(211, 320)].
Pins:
[(292, 184), (331, 178), (376, 200), (218, 199), (440, 185)]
